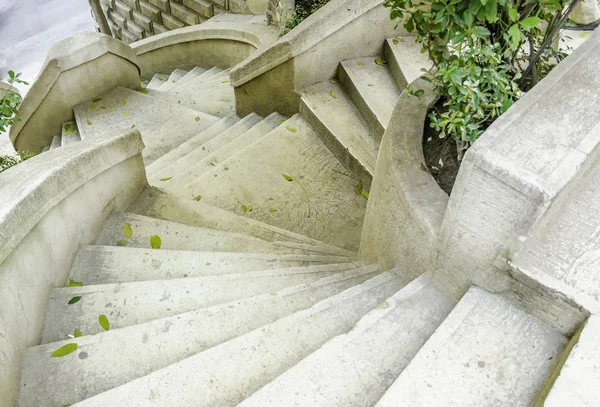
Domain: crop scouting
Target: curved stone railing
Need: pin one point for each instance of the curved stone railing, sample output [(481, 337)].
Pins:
[(52, 204), (269, 80), (406, 206), (223, 41), (64, 82)]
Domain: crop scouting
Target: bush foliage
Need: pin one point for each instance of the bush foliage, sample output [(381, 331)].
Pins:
[(303, 9), (485, 54)]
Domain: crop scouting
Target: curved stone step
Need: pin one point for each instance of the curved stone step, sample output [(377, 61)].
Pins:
[(405, 59), (157, 80), (118, 356), (355, 369), (255, 177), (488, 352), (194, 73), (235, 369), (200, 152), (158, 204), (127, 304), (218, 79), (177, 236), (107, 264), (202, 138), (163, 126), (175, 76), (373, 89), (56, 142), (191, 173), (70, 134), (341, 127)]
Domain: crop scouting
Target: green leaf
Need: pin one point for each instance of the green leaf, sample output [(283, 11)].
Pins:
[(273, 210), (365, 194), (93, 106), (395, 41), (515, 35), (293, 130), (89, 123), (380, 61), (160, 79), (103, 107), (166, 179), (334, 94), (244, 208), (287, 177), (359, 63), (77, 333), (419, 92), (155, 242), (104, 322), (530, 22), (64, 350), (122, 242), (125, 113), (585, 34), (142, 90), (127, 230), (358, 188), (319, 217), (481, 32), (74, 300), (124, 103), (513, 14), (333, 81), (197, 197), (197, 118), (73, 283), (225, 82), (96, 100)]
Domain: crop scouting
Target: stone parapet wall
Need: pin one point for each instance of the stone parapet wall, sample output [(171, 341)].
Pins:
[(279, 12), (133, 20)]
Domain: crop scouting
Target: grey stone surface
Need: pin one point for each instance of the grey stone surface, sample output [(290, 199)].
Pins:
[(249, 361), (355, 369), (163, 126), (147, 347), (131, 303), (104, 264), (56, 141), (341, 127), (157, 80), (194, 73), (70, 133), (254, 177), (173, 78), (63, 195), (405, 59), (488, 352)]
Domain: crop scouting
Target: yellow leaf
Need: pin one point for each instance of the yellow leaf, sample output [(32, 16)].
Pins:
[(104, 322), (166, 178), (77, 333)]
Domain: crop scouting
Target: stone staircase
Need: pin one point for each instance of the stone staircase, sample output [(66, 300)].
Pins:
[(256, 296)]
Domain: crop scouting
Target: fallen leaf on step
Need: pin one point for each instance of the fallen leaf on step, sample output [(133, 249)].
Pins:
[(160, 79), (142, 90), (103, 107), (358, 188), (225, 82), (293, 130), (359, 63), (104, 322), (74, 300), (333, 81), (96, 100), (334, 94), (287, 177), (89, 123), (273, 210), (155, 242), (380, 61), (197, 118), (73, 283), (122, 242), (585, 34), (93, 106), (124, 103), (127, 230), (125, 113), (166, 178), (197, 197), (319, 217), (64, 350), (365, 194), (77, 333)]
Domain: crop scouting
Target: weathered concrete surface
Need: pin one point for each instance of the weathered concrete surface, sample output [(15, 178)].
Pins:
[(269, 79), (405, 59), (406, 206), (235, 369), (512, 174), (50, 205), (355, 369), (60, 85), (119, 356), (488, 352)]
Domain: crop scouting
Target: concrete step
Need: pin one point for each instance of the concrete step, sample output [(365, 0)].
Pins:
[(405, 59), (194, 73), (56, 142), (159, 204), (70, 134), (342, 128), (163, 126), (355, 369), (201, 151), (577, 382), (488, 352), (218, 79), (175, 76), (232, 371), (104, 264), (191, 173), (177, 236), (373, 89), (193, 143), (157, 80), (45, 149), (118, 356), (320, 204), (131, 303)]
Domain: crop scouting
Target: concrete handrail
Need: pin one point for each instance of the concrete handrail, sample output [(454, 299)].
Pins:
[(63, 82), (51, 204), (408, 234)]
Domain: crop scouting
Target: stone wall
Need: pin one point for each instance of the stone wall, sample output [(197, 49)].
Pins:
[(279, 12), (133, 20)]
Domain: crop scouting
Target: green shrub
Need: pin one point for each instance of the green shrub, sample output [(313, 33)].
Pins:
[(303, 9), (8, 161), (9, 104), (486, 54)]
